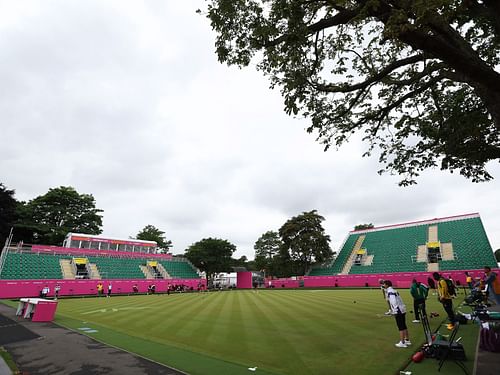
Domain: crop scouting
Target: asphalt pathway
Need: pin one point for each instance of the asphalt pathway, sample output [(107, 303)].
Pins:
[(487, 363), (46, 348)]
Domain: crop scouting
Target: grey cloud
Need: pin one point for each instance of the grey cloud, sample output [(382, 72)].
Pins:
[(110, 98)]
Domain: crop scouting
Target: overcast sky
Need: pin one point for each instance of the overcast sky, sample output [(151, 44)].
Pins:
[(125, 100)]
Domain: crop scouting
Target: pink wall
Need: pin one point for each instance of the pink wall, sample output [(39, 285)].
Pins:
[(31, 288), (244, 280), (400, 280), (283, 283)]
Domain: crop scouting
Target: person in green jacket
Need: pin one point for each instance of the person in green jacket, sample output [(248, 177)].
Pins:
[(419, 293)]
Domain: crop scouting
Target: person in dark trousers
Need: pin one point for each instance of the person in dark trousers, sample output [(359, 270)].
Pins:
[(419, 293), (45, 291), (100, 289), (57, 290), (493, 283), (468, 280), (445, 298), (398, 309), (432, 285)]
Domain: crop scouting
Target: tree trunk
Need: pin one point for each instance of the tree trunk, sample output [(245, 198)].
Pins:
[(491, 98)]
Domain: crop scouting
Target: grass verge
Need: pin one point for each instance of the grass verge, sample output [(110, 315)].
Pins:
[(8, 360)]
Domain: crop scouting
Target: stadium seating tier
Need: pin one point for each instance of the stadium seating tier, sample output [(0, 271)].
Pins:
[(28, 265), (395, 249)]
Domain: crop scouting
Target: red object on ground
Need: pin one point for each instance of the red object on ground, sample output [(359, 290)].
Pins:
[(418, 357)]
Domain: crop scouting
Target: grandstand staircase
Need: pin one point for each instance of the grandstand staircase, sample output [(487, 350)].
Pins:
[(422, 253), (432, 236), (94, 271), (368, 260), (67, 269), (201, 274), (163, 271), (147, 273), (447, 251), (432, 233), (432, 267), (350, 260)]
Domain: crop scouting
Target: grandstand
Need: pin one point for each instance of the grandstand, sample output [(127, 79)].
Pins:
[(23, 269), (39, 262), (450, 243)]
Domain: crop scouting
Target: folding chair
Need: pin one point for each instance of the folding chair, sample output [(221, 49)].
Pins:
[(450, 349), (425, 324)]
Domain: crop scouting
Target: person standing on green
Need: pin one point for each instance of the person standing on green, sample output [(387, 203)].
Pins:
[(445, 298), (419, 293)]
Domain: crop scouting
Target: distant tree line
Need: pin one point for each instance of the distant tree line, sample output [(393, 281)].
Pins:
[(300, 242), (47, 219)]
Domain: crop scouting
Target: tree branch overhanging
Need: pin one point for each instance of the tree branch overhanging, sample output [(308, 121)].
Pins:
[(377, 77), (341, 18)]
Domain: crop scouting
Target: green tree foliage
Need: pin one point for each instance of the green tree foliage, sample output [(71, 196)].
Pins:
[(305, 241), (418, 79), (267, 251), (61, 210), (151, 233), (497, 255), (363, 226), (240, 262), (211, 255), (8, 214)]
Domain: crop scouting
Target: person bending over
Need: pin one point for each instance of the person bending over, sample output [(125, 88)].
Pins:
[(419, 293), (398, 309)]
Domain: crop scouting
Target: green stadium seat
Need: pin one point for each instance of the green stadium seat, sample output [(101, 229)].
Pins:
[(394, 249)]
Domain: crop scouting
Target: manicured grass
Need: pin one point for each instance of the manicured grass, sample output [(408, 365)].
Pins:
[(8, 360), (277, 331)]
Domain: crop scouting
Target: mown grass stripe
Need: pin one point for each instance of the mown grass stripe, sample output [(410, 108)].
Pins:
[(191, 362), (324, 338), (277, 346), (282, 331)]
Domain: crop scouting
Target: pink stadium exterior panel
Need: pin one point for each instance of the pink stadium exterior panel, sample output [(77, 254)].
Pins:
[(31, 288), (244, 280), (400, 280)]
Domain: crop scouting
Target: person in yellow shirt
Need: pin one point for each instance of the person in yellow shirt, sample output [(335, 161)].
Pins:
[(468, 280), (445, 298), (99, 289)]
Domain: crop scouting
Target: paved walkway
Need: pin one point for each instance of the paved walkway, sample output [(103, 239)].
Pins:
[(51, 349), (4, 369), (487, 363)]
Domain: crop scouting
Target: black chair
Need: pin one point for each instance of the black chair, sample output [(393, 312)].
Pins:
[(450, 349)]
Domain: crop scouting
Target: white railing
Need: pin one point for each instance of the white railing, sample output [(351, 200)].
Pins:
[(196, 269), (5, 250), (89, 269), (73, 266)]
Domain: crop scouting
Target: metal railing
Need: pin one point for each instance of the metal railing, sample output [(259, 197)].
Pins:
[(89, 269), (5, 250)]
